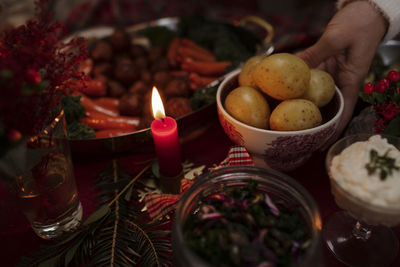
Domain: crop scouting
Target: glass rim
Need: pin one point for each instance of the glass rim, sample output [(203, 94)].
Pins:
[(328, 162)]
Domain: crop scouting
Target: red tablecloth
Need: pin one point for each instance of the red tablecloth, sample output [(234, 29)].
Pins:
[(17, 239)]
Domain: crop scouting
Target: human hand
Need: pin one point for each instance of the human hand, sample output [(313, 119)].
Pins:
[(346, 49)]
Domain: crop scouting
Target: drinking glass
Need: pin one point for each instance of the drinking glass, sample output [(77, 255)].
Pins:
[(39, 174), (360, 235)]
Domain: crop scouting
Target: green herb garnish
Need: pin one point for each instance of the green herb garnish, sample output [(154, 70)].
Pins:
[(384, 164), (74, 111)]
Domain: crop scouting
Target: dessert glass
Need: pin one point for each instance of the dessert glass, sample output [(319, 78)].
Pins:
[(360, 235)]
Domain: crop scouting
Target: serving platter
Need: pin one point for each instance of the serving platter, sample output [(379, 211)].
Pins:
[(189, 126)]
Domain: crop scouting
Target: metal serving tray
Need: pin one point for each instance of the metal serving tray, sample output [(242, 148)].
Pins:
[(190, 126)]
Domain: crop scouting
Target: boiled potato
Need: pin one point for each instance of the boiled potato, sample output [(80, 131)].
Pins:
[(246, 74), (294, 115), (282, 76), (321, 89), (249, 106)]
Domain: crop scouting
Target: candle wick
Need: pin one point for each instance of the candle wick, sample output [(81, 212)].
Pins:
[(162, 119)]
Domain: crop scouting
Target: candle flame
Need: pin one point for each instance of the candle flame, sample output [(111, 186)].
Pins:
[(157, 105)]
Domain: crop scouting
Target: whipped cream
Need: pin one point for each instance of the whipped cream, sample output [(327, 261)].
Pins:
[(349, 170)]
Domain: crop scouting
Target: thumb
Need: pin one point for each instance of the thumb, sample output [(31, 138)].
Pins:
[(317, 53)]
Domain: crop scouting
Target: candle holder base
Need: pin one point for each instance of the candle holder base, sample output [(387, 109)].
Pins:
[(171, 185)]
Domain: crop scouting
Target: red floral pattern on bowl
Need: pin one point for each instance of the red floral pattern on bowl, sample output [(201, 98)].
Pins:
[(280, 150), (230, 130)]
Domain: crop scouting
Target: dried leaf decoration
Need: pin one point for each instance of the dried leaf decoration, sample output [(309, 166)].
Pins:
[(117, 234)]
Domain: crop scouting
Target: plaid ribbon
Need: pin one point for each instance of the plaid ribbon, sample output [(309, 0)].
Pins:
[(159, 205), (237, 155)]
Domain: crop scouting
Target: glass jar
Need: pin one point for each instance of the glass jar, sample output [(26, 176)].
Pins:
[(279, 187)]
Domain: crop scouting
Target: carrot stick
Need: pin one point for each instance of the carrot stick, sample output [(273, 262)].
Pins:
[(179, 73), (111, 133), (172, 53), (91, 106), (196, 54), (200, 81), (189, 43), (95, 87), (107, 102), (104, 122), (205, 68), (126, 119)]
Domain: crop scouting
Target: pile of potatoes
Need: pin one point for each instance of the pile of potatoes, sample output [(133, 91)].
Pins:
[(280, 92)]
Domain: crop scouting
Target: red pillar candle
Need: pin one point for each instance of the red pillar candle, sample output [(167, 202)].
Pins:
[(165, 135)]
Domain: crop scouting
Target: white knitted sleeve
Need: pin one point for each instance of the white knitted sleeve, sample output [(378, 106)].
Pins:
[(389, 8)]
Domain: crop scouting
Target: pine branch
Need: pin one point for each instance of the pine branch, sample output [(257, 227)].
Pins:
[(115, 235), (74, 246), (150, 254), (116, 221)]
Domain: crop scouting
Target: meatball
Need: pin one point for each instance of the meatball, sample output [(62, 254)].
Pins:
[(161, 79), (131, 105), (177, 107), (138, 51), (159, 65), (139, 87), (102, 51), (141, 63), (156, 53), (115, 89), (177, 87), (120, 40), (145, 76), (125, 71), (103, 68)]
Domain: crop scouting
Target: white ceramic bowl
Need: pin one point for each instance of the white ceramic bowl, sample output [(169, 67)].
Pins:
[(281, 150)]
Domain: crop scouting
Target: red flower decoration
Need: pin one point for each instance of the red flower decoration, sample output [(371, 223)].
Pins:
[(385, 99), (381, 86), (35, 67), (387, 110), (385, 81), (380, 125)]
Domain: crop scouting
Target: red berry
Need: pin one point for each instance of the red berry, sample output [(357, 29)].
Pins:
[(14, 136), (33, 76), (368, 88), (380, 87), (393, 76), (385, 81)]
